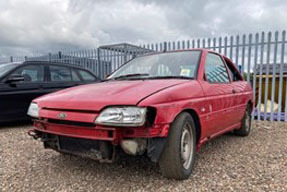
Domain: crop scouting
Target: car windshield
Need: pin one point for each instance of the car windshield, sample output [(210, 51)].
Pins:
[(164, 65), (4, 68)]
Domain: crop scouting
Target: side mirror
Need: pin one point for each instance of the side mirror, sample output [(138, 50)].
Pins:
[(107, 76), (15, 78)]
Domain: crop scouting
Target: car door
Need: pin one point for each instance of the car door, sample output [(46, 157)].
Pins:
[(219, 93), (238, 85), (61, 77), (16, 96)]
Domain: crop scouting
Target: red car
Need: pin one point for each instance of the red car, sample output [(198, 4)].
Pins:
[(163, 105)]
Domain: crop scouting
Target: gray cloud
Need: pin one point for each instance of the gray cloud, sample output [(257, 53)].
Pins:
[(50, 25)]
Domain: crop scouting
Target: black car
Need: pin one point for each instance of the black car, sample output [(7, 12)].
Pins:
[(20, 83)]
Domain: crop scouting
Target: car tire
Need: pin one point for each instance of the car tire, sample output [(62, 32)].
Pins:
[(245, 123), (177, 159)]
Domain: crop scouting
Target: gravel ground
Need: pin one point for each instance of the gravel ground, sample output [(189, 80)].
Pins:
[(228, 163)]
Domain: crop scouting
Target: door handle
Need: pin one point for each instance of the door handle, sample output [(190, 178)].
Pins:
[(234, 91)]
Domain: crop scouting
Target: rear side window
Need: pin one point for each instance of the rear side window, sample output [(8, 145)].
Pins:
[(59, 73), (215, 69), (86, 75), (234, 73), (31, 73)]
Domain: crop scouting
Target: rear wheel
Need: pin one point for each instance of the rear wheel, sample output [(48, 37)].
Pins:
[(245, 123), (178, 156)]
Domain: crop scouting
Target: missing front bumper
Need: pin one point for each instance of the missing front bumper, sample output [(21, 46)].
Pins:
[(102, 151)]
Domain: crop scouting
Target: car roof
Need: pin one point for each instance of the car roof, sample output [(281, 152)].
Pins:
[(9, 63), (183, 50), (49, 62), (54, 63), (45, 62), (191, 49)]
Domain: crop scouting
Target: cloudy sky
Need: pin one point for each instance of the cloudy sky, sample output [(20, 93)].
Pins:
[(50, 25)]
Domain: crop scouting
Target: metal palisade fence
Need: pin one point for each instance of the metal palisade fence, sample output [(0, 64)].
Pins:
[(260, 57), (102, 60)]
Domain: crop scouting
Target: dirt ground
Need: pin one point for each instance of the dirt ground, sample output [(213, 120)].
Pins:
[(228, 163)]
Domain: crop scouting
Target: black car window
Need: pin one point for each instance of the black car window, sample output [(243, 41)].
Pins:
[(86, 75), (31, 73), (75, 76), (60, 73), (215, 69)]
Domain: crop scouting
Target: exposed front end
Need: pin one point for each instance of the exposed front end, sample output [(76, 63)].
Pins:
[(100, 134)]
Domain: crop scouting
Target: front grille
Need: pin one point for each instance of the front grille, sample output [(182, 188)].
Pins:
[(71, 123), (70, 110)]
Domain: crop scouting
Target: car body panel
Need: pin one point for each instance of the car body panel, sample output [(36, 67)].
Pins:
[(105, 93), (15, 99)]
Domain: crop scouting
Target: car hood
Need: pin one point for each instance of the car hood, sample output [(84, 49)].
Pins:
[(94, 97)]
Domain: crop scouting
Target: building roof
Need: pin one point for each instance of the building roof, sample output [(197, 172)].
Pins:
[(265, 67), (127, 48)]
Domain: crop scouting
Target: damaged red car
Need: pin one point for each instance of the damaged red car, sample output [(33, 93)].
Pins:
[(163, 105)]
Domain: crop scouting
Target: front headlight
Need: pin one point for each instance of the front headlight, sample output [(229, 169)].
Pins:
[(122, 116), (33, 110)]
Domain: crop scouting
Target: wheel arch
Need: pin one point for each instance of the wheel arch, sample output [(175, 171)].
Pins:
[(196, 120)]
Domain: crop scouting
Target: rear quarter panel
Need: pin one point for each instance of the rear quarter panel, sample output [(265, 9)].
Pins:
[(245, 96)]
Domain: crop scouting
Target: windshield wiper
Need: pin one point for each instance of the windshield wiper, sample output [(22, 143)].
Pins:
[(170, 77), (131, 75)]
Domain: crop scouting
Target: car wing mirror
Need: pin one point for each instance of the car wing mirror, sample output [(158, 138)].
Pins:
[(15, 78), (107, 76)]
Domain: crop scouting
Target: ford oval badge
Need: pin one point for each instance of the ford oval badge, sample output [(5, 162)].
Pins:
[(62, 115)]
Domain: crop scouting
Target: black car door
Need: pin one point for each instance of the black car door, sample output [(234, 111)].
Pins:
[(16, 96)]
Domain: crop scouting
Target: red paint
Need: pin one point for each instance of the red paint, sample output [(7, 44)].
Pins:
[(218, 108)]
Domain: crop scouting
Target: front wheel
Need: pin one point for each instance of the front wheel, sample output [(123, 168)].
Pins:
[(178, 156), (245, 123)]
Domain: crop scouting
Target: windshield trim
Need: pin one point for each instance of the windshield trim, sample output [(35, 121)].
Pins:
[(150, 78), (158, 53)]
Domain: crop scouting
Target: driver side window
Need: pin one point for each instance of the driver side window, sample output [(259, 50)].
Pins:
[(31, 73), (215, 70)]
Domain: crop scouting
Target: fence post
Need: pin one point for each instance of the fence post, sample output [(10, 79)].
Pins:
[(11, 58), (60, 56), (267, 71), (125, 54), (274, 75), (255, 72), (50, 57), (25, 58), (164, 46), (281, 83), (99, 62), (262, 50)]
